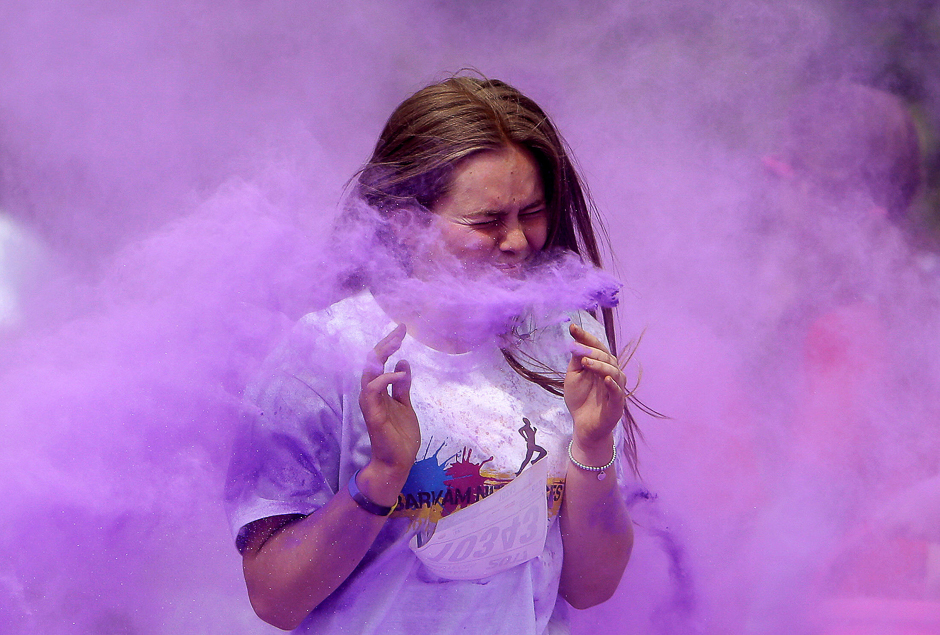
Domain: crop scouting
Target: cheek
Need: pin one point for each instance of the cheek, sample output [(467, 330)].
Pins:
[(537, 235), (462, 240)]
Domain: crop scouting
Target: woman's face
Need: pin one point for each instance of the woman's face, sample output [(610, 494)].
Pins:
[(494, 213)]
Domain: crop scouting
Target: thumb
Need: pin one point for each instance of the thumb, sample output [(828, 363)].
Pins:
[(401, 388)]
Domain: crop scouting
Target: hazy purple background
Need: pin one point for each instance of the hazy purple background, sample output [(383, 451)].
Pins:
[(181, 161)]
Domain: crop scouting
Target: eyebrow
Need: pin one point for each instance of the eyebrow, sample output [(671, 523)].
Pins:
[(540, 202)]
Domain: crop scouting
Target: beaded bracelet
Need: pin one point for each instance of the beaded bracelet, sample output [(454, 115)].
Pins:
[(363, 502), (600, 471)]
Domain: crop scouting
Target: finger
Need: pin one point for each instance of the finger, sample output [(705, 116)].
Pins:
[(390, 343), (401, 388), (615, 386), (605, 370), (589, 352), (376, 390), (574, 364), (372, 369), (376, 358), (583, 337), (600, 355)]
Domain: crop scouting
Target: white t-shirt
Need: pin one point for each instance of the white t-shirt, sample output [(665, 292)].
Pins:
[(481, 424)]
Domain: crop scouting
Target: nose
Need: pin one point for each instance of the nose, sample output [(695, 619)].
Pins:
[(513, 239)]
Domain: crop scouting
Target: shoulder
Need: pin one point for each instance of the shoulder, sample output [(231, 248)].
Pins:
[(559, 333), (551, 344), (354, 314), (325, 343), (356, 322)]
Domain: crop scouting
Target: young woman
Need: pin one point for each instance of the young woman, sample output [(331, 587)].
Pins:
[(465, 478)]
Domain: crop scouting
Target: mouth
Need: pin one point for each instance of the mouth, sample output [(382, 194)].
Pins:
[(515, 270)]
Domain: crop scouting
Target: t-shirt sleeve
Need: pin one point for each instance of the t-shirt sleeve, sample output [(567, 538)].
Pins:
[(285, 458)]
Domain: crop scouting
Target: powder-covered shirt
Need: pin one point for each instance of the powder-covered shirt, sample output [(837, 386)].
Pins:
[(481, 425)]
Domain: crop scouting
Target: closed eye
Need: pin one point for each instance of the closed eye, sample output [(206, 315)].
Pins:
[(532, 213), (494, 222)]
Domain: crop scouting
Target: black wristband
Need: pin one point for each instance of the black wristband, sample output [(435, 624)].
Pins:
[(365, 503)]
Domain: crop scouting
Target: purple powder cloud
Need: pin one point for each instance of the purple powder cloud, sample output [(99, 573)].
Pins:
[(182, 163)]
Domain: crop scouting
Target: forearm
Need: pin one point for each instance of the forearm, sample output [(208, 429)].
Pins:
[(301, 564), (596, 530)]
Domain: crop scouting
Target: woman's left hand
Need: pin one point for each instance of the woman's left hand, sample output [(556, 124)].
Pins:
[(595, 389), (595, 525)]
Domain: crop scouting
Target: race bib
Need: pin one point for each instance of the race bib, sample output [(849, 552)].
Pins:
[(494, 534)]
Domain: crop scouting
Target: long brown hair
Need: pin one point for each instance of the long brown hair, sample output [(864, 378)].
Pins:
[(443, 123)]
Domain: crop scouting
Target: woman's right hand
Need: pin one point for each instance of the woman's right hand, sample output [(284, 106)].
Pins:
[(292, 565), (391, 421)]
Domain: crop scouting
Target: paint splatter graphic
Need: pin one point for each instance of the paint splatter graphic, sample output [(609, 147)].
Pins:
[(436, 488)]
